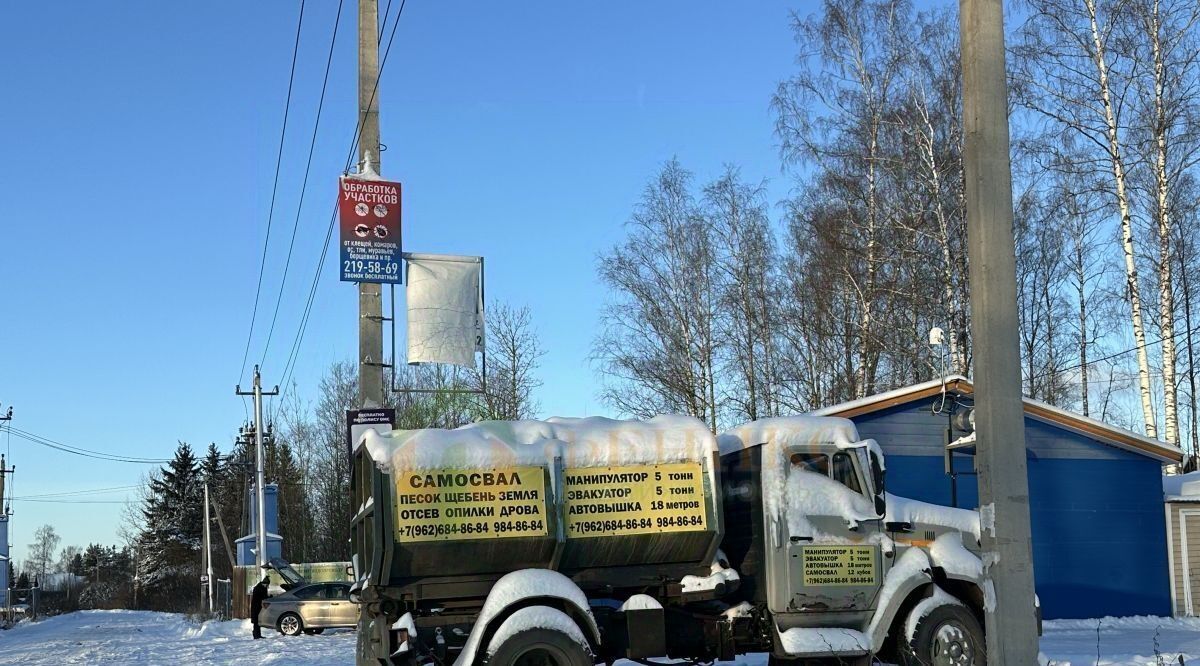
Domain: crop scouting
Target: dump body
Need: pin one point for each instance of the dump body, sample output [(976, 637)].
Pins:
[(608, 503)]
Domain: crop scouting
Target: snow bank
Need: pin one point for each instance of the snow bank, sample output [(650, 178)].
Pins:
[(905, 510), (581, 442), (121, 637)]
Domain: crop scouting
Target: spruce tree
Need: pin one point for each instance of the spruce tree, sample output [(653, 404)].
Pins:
[(171, 540)]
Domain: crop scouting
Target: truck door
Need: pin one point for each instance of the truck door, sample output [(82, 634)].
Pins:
[(833, 550)]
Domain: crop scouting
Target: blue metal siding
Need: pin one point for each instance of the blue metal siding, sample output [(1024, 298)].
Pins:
[(1099, 533), (1099, 537)]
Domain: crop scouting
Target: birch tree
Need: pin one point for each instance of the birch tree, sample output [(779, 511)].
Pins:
[(657, 348), (832, 115), (1064, 71), (746, 263), (1161, 40)]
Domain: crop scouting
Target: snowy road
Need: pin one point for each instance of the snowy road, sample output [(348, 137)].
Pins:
[(142, 637)]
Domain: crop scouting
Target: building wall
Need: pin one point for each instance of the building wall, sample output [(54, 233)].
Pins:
[(1099, 534), (1183, 520)]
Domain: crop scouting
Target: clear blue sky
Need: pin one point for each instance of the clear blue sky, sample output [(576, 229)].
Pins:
[(139, 142)]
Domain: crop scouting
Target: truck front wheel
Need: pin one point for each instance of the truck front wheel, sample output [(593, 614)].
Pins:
[(946, 636)]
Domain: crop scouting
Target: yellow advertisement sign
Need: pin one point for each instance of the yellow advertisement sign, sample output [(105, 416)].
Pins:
[(450, 504), (839, 565), (635, 499)]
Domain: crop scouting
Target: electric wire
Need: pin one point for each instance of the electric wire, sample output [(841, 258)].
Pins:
[(79, 451), (274, 189), (289, 366), (1113, 355), (312, 145), (67, 501), (94, 491)]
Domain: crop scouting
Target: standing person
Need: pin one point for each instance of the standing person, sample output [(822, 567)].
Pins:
[(258, 594)]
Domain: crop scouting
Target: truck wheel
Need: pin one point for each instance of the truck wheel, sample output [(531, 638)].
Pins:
[(948, 636), (540, 647)]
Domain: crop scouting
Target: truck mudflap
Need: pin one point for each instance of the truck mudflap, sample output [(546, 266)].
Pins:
[(523, 589)]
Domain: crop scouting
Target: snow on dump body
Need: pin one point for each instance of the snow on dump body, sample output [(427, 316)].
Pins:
[(582, 442)]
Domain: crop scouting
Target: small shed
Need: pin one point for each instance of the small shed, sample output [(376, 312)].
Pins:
[(1095, 492), (1182, 495)]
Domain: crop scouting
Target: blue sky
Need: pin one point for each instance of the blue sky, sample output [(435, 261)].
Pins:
[(139, 144)]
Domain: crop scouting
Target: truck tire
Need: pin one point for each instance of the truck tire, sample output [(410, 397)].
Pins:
[(540, 647), (948, 636)]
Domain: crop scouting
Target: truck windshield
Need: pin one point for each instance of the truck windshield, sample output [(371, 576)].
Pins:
[(841, 470)]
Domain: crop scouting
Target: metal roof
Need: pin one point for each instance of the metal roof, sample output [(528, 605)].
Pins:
[(1104, 432)]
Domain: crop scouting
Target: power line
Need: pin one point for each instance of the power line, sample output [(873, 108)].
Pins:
[(94, 491), (1116, 354), (289, 366), (304, 186), (79, 451), (67, 501), (274, 189)]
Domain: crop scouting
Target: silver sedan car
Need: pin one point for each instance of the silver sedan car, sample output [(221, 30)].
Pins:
[(310, 609)]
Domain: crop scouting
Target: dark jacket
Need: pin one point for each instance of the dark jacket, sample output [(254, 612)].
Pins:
[(258, 594)]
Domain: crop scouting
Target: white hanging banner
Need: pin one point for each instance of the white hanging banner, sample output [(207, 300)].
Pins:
[(445, 308)]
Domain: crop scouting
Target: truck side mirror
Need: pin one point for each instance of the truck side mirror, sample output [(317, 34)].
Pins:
[(877, 474), (880, 506)]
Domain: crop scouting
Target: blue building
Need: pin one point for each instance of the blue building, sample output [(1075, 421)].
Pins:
[(1095, 492)]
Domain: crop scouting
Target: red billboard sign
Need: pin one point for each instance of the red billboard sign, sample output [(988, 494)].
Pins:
[(369, 218)]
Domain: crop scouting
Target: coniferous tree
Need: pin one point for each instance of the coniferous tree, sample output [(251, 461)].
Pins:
[(171, 538)]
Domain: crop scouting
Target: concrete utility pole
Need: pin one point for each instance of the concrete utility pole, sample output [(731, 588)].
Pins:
[(260, 502), (999, 409), (370, 295), (208, 570)]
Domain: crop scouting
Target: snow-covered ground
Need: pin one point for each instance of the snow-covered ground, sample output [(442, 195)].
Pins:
[(143, 637)]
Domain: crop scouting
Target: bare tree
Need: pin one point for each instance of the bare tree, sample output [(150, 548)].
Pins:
[(514, 353), (748, 281), (1063, 70), (833, 114), (40, 560), (1164, 50), (658, 343)]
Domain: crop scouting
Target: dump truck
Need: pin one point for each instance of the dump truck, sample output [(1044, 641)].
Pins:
[(578, 541)]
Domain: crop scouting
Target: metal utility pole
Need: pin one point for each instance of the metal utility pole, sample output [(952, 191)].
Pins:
[(370, 295), (208, 569), (260, 502), (999, 408)]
